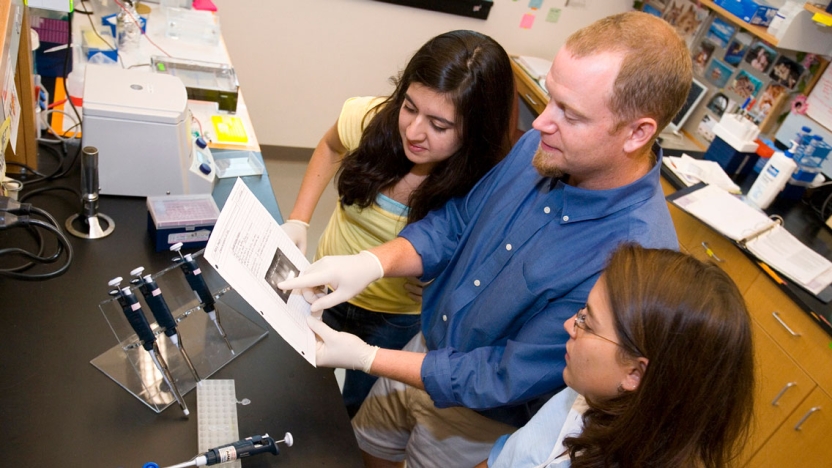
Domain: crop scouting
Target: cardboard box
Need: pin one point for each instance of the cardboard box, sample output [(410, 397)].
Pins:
[(756, 12), (188, 219)]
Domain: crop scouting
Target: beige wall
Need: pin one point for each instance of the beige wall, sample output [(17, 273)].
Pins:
[(298, 61)]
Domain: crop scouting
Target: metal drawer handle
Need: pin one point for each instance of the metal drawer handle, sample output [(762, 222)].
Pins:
[(534, 103), (711, 253), (777, 317), (805, 417), (780, 395)]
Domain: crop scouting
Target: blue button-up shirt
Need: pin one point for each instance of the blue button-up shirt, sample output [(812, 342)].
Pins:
[(512, 261)]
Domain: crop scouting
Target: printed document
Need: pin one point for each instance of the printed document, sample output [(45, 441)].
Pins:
[(253, 254)]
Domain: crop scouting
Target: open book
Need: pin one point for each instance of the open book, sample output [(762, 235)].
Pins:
[(252, 253), (764, 237)]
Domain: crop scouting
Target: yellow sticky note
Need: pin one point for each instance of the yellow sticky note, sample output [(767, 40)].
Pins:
[(229, 128)]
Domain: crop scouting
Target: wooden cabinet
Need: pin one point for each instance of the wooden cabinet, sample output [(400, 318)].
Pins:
[(796, 333), (528, 89), (793, 357), (803, 439), (781, 387)]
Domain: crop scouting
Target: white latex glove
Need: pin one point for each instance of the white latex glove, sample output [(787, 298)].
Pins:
[(414, 288), (297, 231), (339, 349), (347, 275)]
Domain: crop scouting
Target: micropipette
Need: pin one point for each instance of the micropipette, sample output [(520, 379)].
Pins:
[(133, 311), (241, 449), (154, 299), (194, 276)]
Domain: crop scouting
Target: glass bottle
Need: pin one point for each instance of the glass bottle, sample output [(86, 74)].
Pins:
[(128, 28)]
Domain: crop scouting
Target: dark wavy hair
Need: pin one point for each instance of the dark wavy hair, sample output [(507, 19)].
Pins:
[(694, 403), (474, 71)]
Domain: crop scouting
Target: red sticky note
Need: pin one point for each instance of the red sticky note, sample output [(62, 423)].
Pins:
[(527, 21)]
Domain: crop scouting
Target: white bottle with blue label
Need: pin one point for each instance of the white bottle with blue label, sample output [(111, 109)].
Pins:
[(772, 178)]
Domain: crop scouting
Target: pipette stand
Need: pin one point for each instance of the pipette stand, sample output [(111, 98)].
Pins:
[(131, 367)]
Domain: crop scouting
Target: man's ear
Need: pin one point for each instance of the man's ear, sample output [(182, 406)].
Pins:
[(640, 133), (636, 372)]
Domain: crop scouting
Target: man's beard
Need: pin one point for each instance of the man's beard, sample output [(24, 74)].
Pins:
[(544, 165)]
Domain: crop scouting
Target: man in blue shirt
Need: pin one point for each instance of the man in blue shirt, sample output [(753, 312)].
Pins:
[(517, 256)]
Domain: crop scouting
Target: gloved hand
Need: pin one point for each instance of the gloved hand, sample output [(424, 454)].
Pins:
[(339, 349), (297, 231), (414, 288), (347, 275)]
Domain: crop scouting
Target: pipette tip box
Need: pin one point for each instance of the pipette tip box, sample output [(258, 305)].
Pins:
[(188, 219)]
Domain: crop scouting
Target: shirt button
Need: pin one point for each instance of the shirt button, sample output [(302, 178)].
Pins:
[(508, 246), (547, 210), (566, 218), (444, 318), (476, 283)]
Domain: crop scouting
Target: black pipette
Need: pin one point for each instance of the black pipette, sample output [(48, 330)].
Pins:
[(133, 311), (194, 276), (154, 299), (241, 449)]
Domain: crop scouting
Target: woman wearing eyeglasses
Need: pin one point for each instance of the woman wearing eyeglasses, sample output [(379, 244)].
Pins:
[(659, 368)]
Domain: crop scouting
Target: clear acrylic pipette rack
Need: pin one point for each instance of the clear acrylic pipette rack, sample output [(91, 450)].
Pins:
[(130, 366)]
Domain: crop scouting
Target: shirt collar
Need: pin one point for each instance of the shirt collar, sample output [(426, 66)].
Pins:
[(582, 204)]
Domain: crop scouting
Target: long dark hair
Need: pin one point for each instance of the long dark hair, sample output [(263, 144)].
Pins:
[(475, 73), (694, 403)]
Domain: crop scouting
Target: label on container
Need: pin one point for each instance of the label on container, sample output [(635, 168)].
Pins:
[(772, 171), (193, 236)]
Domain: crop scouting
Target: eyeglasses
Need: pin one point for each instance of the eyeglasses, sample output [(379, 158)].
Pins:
[(580, 322)]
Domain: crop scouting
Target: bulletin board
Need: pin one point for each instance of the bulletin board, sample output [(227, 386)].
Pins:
[(739, 67)]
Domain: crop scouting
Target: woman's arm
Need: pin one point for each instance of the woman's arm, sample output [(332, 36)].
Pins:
[(324, 163)]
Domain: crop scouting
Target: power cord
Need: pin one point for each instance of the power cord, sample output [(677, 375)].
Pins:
[(14, 214)]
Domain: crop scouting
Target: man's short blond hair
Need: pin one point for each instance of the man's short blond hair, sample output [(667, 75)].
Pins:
[(656, 70)]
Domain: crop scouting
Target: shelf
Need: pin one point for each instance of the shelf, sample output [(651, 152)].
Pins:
[(825, 18), (759, 31), (802, 34)]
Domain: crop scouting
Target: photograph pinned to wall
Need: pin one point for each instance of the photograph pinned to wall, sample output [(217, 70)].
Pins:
[(687, 17), (705, 129), (718, 73), (786, 72), (737, 48), (719, 104), (701, 56), (760, 56), (745, 85), (720, 32), (814, 65), (768, 99)]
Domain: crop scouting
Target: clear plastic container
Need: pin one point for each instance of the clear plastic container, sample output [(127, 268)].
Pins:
[(201, 27)]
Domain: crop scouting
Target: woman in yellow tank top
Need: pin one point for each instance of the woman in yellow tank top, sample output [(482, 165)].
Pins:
[(396, 158)]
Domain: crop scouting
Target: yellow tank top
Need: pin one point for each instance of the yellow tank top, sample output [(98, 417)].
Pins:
[(352, 229)]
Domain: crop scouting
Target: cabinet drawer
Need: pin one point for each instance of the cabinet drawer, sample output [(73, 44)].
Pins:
[(708, 244), (533, 98), (803, 439), (795, 332), (781, 387)]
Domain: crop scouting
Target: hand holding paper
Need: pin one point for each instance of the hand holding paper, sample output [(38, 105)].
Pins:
[(347, 275), (342, 350)]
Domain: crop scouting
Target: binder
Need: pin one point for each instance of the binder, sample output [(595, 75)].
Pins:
[(759, 235)]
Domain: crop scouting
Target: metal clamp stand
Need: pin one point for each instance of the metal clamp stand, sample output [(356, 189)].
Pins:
[(87, 223), (130, 366)]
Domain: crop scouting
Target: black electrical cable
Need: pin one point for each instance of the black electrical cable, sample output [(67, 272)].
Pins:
[(64, 242), (47, 189)]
